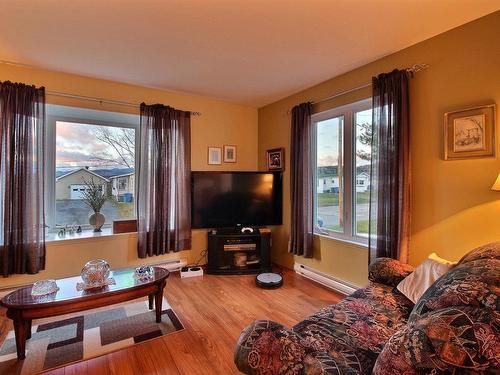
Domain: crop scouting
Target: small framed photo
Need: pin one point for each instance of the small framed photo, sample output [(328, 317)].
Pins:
[(276, 159), (229, 154), (470, 133), (214, 155)]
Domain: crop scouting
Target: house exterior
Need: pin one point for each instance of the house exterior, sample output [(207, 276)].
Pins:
[(71, 185), (123, 186), (362, 182), (330, 184)]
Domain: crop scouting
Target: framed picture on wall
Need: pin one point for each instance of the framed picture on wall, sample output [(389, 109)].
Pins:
[(470, 133), (229, 154), (276, 159), (214, 155)]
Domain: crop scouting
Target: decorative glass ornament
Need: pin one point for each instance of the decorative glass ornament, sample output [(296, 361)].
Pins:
[(95, 272)]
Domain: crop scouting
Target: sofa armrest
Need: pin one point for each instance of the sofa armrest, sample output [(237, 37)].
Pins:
[(266, 347), (388, 271)]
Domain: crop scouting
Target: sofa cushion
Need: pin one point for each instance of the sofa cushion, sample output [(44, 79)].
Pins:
[(488, 251), (354, 331), (475, 281), (453, 339)]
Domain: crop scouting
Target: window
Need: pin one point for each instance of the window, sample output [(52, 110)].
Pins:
[(343, 154), (84, 146), (122, 183)]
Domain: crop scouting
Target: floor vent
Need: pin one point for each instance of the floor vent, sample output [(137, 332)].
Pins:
[(331, 282)]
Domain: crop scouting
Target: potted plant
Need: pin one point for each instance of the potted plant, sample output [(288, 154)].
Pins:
[(95, 196)]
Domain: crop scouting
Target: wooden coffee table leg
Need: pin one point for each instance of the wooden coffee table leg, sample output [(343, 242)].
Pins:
[(28, 329), (158, 302), (151, 299), (20, 326)]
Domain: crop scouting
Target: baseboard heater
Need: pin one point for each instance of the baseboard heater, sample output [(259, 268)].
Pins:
[(331, 282), (172, 265)]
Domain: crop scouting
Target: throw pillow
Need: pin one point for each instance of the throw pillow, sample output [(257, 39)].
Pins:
[(415, 284), (437, 258)]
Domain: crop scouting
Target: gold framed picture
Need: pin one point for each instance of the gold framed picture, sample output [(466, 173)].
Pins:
[(229, 154), (470, 133)]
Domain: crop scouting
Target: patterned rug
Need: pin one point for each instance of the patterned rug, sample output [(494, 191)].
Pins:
[(70, 338)]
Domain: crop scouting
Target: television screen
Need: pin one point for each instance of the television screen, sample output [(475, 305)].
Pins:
[(226, 199)]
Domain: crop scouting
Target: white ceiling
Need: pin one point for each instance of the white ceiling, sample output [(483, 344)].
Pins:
[(252, 52)]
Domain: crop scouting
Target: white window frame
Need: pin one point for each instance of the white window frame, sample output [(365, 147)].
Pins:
[(347, 179), (80, 116)]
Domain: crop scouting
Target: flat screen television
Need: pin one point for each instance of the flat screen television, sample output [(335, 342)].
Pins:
[(228, 199)]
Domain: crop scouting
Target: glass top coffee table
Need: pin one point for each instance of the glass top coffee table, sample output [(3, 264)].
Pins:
[(22, 307)]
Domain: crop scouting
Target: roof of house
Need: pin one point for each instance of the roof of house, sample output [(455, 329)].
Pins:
[(123, 175), (105, 174), (114, 172), (78, 170)]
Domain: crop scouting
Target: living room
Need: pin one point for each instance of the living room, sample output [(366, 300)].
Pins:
[(243, 95)]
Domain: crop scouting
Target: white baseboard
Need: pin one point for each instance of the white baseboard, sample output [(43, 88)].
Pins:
[(329, 281)]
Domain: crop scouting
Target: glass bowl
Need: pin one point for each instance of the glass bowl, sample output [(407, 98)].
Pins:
[(95, 272), (144, 271), (43, 287)]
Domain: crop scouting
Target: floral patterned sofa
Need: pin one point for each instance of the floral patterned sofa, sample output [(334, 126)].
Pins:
[(452, 329)]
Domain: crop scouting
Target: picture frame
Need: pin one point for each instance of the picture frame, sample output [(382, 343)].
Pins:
[(214, 156), (470, 133), (276, 159), (229, 154)]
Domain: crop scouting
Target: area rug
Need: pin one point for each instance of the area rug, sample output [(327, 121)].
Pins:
[(74, 337)]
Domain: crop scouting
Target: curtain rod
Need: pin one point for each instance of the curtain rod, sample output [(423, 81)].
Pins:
[(415, 68), (83, 97), (101, 100)]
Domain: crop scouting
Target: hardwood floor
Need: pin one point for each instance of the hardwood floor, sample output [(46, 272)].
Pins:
[(214, 310)]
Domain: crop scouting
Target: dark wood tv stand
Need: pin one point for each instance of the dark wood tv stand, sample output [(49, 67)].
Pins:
[(224, 243)]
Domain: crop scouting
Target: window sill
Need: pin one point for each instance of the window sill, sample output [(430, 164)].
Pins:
[(344, 240), (87, 235)]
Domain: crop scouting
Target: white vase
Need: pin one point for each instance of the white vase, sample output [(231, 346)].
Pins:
[(97, 221)]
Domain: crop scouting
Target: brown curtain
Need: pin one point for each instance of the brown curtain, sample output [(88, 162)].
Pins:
[(22, 216), (164, 181), (301, 181), (390, 175)]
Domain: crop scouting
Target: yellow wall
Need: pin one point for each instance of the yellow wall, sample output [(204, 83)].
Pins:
[(453, 207), (221, 123)]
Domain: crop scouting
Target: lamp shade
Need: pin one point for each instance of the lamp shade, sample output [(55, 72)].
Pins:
[(496, 185)]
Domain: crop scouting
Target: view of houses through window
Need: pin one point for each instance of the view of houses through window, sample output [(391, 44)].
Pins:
[(102, 154), (343, 157), (363, 134), (330, 185)]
